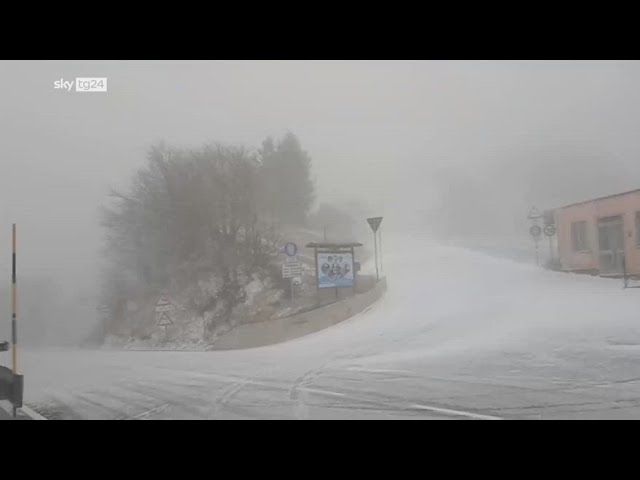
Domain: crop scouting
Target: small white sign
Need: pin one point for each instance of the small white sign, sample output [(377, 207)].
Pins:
[(291, 270), (164, 304), (165, 308)]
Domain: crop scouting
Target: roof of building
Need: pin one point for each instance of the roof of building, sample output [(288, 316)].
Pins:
[(637, 190)]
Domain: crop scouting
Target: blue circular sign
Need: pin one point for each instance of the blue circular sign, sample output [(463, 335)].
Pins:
[(290, 249)]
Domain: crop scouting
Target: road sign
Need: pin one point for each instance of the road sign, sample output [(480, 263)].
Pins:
[(290, 249), (374, 223), (549, 230), (535, 231), (533, 214), (164, 308), (164, 304), (165, 320), (291, 270)]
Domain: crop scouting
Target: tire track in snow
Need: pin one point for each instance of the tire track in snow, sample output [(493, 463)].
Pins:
[(299, 392)]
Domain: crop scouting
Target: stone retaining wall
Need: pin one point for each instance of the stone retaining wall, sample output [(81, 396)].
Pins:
[(283, 329)]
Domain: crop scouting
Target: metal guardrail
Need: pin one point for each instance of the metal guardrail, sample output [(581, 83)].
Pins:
[(11, 387)]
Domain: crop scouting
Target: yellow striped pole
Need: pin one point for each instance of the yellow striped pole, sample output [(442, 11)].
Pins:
[(14, 328)]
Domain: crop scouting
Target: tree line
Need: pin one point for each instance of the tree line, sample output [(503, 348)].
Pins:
[(209, 211)]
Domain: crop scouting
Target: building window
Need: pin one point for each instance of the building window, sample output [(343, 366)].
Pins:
[(579, 236), (638, 229)]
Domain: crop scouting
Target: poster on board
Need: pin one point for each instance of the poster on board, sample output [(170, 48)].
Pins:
[(335, 270)]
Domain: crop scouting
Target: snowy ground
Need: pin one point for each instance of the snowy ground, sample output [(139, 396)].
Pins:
[(458, 335)]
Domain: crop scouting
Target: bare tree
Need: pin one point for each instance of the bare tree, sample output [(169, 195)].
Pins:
[(191, 213)]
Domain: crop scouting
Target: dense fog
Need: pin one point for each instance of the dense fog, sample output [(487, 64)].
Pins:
[(458, 149)]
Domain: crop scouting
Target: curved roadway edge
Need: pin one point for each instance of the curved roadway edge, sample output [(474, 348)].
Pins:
[(283, 329)]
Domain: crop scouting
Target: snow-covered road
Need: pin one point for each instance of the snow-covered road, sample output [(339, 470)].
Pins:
[(458, 335)]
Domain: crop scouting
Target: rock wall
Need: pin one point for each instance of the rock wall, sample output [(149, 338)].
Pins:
[(287, 328)]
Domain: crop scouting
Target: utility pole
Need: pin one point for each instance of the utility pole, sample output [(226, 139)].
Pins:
[(14, 302)]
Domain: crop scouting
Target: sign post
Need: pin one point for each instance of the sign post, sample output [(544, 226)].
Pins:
[(292, 268), (164, 307), (550, 230), (374, 223), (105, 314), (535, 231)]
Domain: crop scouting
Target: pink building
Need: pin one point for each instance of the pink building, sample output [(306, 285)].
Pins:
[(594, 235)]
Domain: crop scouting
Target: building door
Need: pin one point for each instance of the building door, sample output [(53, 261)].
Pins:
[(610, 245)]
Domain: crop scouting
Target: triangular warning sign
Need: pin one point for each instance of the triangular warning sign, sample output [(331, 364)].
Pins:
[(165, 320), (163, 300), (374, 223), (533, 213)]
